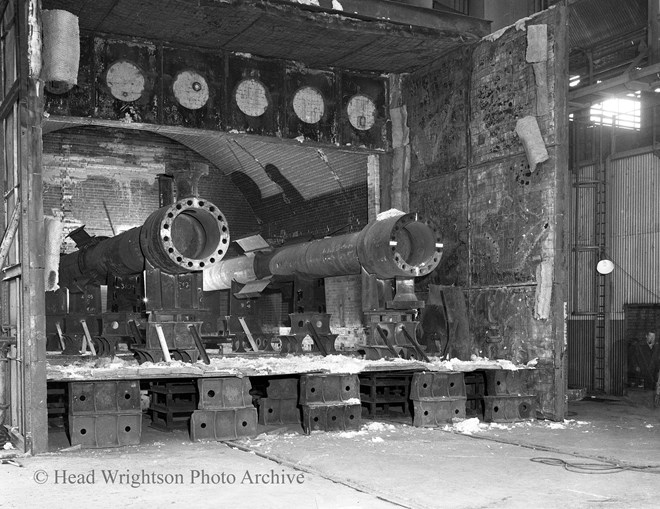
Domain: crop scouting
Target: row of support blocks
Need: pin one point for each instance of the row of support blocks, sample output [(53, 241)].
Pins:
[(317, 402), (440, 397), (108, 414)]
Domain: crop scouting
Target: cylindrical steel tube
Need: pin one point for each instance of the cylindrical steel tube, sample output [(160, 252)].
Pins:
[(402, 245), (333, 256), (188, 235), (220, 275), (399, 246)]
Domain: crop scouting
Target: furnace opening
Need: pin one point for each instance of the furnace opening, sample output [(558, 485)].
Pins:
[(196, 233)]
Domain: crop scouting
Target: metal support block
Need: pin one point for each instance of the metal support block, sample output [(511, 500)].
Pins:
[(317, 327), (436, 412), (72, 344), (265, 343), (104, 397), (291, 344), (376, 352), (299, 321), (177, 335), (509, 408), (221, 393), (279, 411), (431, 384), (506, 383), (105, 347), (105, 430), (227, 424), (239, 344), (331, 417), (393, 340), (329, 388)]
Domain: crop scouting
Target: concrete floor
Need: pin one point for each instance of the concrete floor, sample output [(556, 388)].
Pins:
[(606, 454)]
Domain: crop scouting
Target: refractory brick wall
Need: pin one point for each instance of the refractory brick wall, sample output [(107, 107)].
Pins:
[(501, 221)]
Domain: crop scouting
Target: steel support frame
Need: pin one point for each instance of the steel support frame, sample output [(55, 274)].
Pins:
[(23, 309)]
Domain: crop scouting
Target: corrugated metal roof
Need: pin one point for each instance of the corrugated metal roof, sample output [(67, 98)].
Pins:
[(313, 170), (591, 22)]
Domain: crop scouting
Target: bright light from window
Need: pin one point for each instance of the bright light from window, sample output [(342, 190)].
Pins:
[(621, 113), (574, 81)]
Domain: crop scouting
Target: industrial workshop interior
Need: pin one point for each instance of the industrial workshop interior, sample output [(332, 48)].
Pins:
[(330, 253)]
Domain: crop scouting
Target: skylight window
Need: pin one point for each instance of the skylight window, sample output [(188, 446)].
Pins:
[(618, 112)]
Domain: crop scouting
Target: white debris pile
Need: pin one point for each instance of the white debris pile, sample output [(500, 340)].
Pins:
[(300, 364), (566, 423), (372, 427), (379, 426), (474, 425), (466, 426), (250, 365), (477, 362)]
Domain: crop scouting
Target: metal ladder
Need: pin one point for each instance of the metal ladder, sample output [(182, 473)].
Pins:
[(601, 321), (590, 209)]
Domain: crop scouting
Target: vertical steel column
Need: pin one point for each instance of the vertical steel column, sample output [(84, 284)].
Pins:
[(23, 294), (653, 31)]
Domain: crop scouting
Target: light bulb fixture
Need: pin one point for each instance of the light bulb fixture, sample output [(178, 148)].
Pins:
[(605, 266)]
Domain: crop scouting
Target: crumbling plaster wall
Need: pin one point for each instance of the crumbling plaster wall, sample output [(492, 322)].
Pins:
[(501, 220)]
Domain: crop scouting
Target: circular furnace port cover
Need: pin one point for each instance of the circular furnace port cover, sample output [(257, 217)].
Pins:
[(251, 97), (361, 112), (190, 90), (308, 104), (125, 80)]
